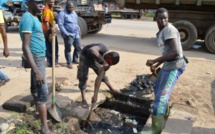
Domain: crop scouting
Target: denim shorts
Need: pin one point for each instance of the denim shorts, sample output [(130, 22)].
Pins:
[(83, 69), (40, 91)]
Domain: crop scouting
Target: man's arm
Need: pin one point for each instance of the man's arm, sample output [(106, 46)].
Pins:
[(61, 24), (29, 57), (46, 19), (174, 52), (4, 37)]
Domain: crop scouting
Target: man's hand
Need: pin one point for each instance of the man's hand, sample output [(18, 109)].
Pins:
[(94, 99), (68, 36), (55, 30), (39, 78), (152, 68), (6, 52), (149, 63)]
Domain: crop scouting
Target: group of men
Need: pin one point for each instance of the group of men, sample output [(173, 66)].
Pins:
[(68, 23), (37, 41)]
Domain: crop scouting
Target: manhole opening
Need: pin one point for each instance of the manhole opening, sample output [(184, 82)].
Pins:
[(124, 113)]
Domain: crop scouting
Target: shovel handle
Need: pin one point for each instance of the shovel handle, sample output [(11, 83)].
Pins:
[(99, 80), (53, 65)]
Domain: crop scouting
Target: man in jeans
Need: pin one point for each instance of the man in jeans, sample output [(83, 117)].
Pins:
[(70, 31), (48, 19), (168, 39), (33, 46), (3, 77)]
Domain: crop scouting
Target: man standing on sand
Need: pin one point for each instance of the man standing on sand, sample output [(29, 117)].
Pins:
[(70, 31), (95, 56), (168, 39), (47, 23), (3, 77), (33, 46)]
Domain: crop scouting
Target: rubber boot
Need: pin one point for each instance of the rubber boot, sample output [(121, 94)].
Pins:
[(157, 125), (166, 116)]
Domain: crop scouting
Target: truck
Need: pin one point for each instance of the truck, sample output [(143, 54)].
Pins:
[(91, 15), (194, 19), (12, 11), (117, 12)]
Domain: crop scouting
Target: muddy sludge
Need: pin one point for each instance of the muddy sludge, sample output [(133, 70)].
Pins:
[(124, 113)]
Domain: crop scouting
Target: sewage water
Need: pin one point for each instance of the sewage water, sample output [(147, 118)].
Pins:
[(124, 113), (113, 122)]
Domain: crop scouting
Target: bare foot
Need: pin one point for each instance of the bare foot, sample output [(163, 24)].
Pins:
[(84, 104)]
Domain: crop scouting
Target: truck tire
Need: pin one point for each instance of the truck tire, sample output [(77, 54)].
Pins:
[(133, 16), (187, 32), (124, 16), (99, 28), (210, 39), (84, 26)]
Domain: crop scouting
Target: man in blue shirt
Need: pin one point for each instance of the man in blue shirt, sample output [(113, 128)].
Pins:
[(33, 46), (70, 31)]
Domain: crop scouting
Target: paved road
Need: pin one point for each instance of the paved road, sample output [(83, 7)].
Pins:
[(136, 36)]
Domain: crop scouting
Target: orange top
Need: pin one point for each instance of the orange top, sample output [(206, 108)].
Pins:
[(47, 16)]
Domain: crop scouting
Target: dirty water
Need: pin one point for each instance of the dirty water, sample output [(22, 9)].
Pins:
[(113, 122)]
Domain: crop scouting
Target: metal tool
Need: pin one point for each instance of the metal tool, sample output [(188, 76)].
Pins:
[(54, 109)]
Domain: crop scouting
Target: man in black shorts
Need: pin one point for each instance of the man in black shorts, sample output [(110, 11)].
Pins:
[(95, 56)]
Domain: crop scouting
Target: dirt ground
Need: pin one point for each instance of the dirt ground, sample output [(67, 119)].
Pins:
[(195, 87)]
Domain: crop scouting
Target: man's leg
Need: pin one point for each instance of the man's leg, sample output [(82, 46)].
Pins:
[(164, 85), (82, 76), (68, 41), (49, 53), (42, 93), (77, 50), (56, 51), (3, 76)]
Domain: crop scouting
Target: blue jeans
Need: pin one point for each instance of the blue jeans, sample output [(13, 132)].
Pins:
[(3, 76), (163, 88), (49, 52), (40, 91), (68, 42)]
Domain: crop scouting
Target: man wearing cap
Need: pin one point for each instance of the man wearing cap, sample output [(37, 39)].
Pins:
[(47, 22), (33, 46), (95, 56)]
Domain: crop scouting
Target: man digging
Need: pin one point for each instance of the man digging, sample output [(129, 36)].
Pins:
[(97, 57)]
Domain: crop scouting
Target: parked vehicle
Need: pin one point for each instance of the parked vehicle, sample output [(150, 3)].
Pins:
[(91, 16), (195, 19), (117, 12), (12, 11)]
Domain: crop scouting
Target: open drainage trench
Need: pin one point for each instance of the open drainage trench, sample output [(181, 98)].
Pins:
[(124, 113)]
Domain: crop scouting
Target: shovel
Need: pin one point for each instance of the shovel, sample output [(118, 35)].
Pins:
[(54, 110), (101, 75)]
